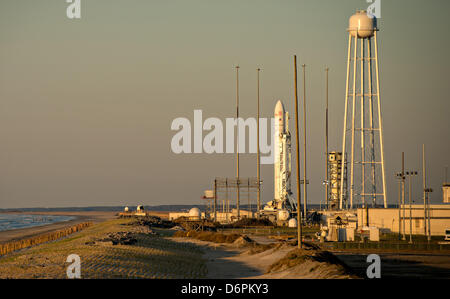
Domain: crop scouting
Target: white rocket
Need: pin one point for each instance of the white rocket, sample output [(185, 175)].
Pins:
[(282, 162)]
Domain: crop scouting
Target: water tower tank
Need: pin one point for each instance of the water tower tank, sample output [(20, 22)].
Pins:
[(361, 25), (195, 213), (292, 222)]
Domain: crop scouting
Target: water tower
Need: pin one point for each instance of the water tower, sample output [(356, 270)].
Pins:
[(362, 141)]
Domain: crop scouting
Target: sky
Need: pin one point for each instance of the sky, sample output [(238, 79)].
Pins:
[(86, 105)]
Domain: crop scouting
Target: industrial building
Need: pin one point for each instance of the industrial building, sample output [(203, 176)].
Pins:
[(393, 220), (439, 220)]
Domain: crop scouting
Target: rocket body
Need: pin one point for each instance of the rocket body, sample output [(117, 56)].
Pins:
[(282, 155)]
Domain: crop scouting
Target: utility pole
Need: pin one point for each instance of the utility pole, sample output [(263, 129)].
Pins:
[(237, 138), (399, 177), (410, 174), (299, 213), (426, 199), (258, 170), (403, 195), (410, 208), (304, 144), (326, 141), (215, 200), (424, 181), (428, 191)]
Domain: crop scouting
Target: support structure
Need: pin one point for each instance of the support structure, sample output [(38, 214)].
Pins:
[(403, 197), (424, 181), (327, 180), (258, 160), (305, 180), (222, 189), (299, 213), (367, 172), (237, 142), (409, 174)]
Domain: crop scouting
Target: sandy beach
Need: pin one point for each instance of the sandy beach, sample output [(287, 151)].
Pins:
[(149, 256), (88, 216)]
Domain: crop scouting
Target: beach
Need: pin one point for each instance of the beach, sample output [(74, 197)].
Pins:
[(114, 248), (83, 216)]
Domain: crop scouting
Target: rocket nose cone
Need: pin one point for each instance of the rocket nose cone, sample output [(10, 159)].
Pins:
[(279, 108)]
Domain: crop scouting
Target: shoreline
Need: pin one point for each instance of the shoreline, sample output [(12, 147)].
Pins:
[(28, 232)]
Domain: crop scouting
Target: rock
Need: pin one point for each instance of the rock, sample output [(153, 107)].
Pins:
[(152, 221), (121, 238), (143, 230)]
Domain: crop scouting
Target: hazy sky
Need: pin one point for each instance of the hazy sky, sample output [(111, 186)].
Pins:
[(86, 105)]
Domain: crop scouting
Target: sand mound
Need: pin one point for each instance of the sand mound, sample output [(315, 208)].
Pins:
[(310, 269), (243, 241), (309, 263)]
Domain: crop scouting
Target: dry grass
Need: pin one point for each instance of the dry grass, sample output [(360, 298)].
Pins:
[(208, 236)]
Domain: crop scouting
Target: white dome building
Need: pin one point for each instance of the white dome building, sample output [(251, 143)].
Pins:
[(195, 213)]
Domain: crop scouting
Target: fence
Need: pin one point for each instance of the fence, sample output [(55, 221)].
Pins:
[(389, 246), (17, 245)]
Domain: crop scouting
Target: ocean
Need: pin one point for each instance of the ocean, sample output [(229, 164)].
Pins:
[(15, 221)]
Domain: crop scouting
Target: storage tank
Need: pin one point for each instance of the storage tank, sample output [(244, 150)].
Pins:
[(361, 25), (195, 213), (292, 222), (283, 215)]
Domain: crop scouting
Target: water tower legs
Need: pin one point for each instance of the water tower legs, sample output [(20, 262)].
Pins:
[(363, 164)]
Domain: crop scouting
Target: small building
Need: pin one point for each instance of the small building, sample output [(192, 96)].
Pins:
[(193, 214), (140, 211)]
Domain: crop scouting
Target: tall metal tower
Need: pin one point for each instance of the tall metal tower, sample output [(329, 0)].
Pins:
[(363, 131)]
